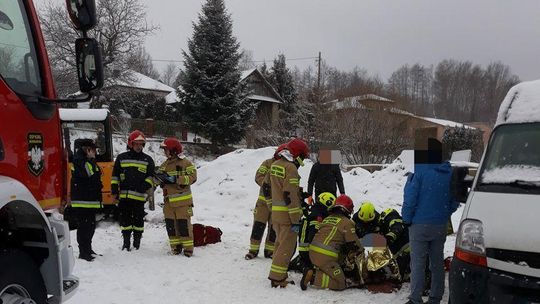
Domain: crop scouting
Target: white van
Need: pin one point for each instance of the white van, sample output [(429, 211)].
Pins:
[(497, 254)]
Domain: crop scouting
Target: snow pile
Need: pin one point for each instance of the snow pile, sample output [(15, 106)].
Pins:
[(224, 196), (521, 104)]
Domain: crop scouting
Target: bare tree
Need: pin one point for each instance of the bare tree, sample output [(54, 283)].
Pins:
[(121, 30), (140, 61), (246, 61), (169, 74)]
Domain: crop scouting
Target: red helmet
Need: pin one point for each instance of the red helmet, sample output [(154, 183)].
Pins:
[(279, 149), (298, 148), (345, 203), (173, 145), (136, 136)]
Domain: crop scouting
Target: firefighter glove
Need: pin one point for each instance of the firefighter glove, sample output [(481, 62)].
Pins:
[(295, 228), (267, 191)]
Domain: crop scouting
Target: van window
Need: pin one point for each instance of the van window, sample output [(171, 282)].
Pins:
[(18, 61), (513, 158)]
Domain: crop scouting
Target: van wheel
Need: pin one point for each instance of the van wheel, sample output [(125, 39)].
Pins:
[(20, 279)]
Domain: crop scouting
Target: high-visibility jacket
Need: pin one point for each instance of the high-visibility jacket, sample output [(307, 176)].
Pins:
[(335, 231), (310, 224), (179, 194), (262, 178), (286, 200), (85, 182), (132, 175)]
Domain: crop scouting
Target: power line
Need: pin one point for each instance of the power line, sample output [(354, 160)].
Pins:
[(252, 61)]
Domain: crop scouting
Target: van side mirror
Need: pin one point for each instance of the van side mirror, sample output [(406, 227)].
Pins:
[(89, 64), (82, 14)]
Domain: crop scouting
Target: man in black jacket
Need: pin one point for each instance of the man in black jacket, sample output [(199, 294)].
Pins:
[(85, 194), (131, 178), (325, 175)]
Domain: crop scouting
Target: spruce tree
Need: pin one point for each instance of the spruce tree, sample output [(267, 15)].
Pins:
[(214, 102), (282, 80)]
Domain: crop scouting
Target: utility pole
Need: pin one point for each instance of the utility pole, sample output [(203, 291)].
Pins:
[(319, 73)]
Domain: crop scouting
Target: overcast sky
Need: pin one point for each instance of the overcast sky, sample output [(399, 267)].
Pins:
[(378, 35)]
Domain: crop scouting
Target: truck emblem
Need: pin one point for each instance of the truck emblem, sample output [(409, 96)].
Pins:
[(36, 159)]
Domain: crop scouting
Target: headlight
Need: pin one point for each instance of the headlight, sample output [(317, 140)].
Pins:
[(470, 245)]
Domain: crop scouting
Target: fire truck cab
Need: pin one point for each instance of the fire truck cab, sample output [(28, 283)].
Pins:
[(94, 124), (36, 258)]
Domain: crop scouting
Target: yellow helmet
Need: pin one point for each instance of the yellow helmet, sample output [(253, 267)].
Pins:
[(366, 212), (327, 199)]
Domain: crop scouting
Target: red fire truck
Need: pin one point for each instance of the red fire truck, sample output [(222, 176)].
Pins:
[(36, 258)]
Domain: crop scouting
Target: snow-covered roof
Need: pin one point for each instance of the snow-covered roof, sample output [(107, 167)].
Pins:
[(346, 103), (372, 97), (446, 123), (246, 73), (521, 104), (144, 82), (171, 98), (355, 101), (83, 114), (264, 98)]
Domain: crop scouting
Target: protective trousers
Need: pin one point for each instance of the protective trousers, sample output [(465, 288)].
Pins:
[(131, 216), (86, 220), (307, 232), (285, 248), (329, 275), (179, 227), (261, 220)]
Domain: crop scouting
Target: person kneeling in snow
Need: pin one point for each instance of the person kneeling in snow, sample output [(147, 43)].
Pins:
[(176, 175), (389, 224), (335, 241)]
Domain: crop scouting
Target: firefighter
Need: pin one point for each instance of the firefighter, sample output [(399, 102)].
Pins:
[(286, 207), (389, 224), (310, 224), (179, 174), (85, 195), (131, 179), (262, 211), (335, 240)]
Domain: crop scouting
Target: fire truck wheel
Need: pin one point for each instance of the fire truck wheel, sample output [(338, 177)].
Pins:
[(20, 279)]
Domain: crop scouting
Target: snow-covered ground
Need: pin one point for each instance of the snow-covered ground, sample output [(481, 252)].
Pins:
[(224, 196)]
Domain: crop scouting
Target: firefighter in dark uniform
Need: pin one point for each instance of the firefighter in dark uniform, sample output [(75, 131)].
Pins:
[(131, 179), (389, 224), (85, 195)]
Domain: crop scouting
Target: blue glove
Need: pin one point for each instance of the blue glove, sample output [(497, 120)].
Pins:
[(170, 179), (295, 228)]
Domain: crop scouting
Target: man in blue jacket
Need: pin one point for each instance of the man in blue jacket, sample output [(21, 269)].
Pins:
[(427, 207)]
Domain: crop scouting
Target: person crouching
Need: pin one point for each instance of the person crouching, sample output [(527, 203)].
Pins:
[(336, 236)]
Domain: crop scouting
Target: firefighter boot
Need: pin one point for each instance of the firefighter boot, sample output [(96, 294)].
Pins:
[(307, 278), (127, 240), (268, 254), (137, 235), (251, 255)]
